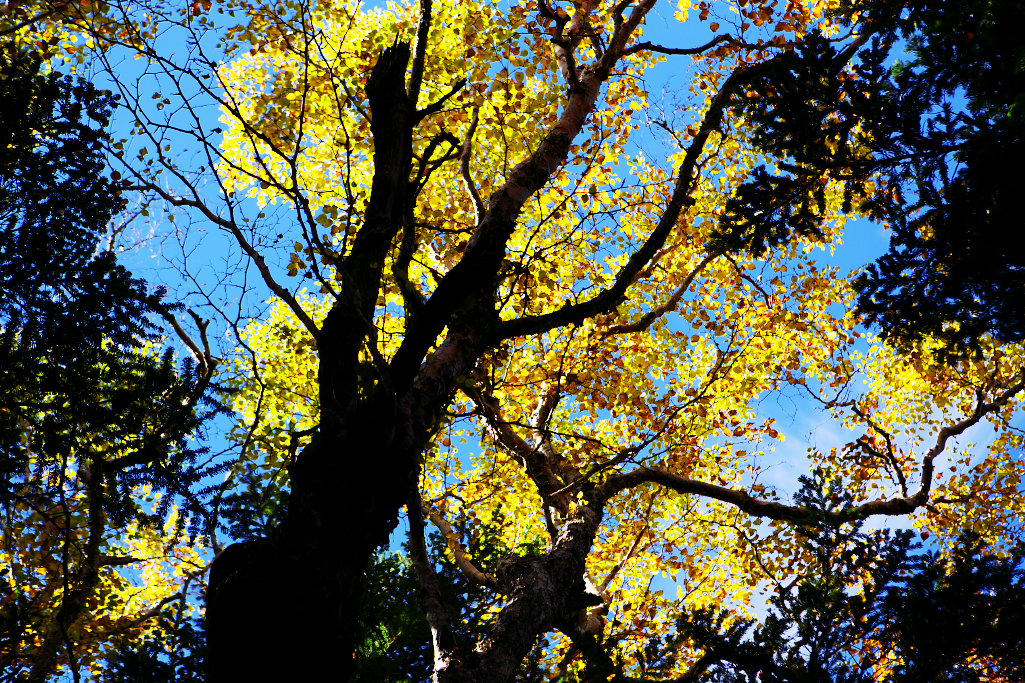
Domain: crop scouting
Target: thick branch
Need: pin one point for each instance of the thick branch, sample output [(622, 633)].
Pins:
[(661, 49), (685, 485), (538, 469), (544, 591), (900, 505), (645, 321), (474, 278), (349, 322)]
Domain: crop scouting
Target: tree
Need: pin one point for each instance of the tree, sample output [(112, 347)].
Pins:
[(489, 305), (89, 413)]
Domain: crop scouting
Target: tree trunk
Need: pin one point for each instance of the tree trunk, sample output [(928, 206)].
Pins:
[(285, 607), (544, 593)]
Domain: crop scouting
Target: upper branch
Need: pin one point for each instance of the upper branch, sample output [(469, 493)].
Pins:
[(465, 153), (652, 47), (537, 467), (645, 321), (686, 180), (416, 72), (474, 278)]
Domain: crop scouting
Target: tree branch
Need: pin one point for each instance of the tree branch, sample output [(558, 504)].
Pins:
[(645, 321), (416, 71), (474, 278), (437, 615), (537, 467), (464, 168), (686, 179), (435, 107), (463, 559), (652, 47), (757, 507)]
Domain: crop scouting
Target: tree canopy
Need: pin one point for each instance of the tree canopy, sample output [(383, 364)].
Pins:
[(550, 278)]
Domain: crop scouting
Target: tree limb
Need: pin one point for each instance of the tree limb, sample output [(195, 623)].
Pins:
[(645, 321), (463, 559), (660, 49), (686, 180), (757, 507), (437, 615)]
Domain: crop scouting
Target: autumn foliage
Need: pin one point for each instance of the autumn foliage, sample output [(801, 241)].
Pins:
[(490, 288)]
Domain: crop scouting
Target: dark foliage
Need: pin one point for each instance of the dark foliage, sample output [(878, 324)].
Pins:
[(74, 372), (175, 654), (814, 123), (395, 643), (87, 411), (959, 619), (938, 154), (396, 640)]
